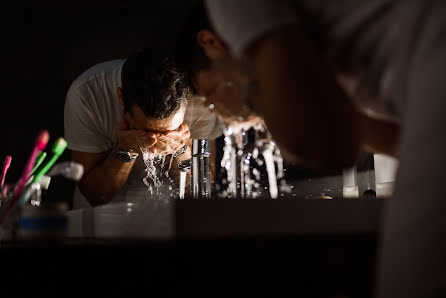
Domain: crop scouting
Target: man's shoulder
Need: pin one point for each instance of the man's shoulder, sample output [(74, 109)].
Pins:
[(97, 71), (202, 123)]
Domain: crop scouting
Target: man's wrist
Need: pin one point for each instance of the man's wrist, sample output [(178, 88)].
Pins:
[(124, 155), (181, 151)]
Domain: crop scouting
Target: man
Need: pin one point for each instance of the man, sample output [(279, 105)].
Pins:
[(216, 76), (210, 65), (117, 109), (201, 50), (395, 53)]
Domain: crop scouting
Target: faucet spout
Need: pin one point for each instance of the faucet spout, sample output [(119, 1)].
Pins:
[(184, 167), (201, 180)]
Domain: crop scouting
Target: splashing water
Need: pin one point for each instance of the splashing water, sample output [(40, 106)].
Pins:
[(228, 164), (270, 168), (157, 171), (261, 155), (244, 160), (182, 184)]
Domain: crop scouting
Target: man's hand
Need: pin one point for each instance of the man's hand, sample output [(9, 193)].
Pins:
[(171, 141), (134, 139)]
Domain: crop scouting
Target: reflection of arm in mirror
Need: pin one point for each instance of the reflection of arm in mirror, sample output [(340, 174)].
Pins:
[(378, 136)]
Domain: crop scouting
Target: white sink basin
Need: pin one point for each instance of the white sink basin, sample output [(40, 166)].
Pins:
[(141, 219)]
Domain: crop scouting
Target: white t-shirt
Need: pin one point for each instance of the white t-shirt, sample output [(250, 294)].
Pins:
[(92, 113), (397, 49)]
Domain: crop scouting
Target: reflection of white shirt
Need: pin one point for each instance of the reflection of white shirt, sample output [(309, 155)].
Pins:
[(367, 40), (396, 50), (93, 111)]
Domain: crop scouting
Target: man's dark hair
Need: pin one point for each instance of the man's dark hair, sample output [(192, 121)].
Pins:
[(192, 55), (155, 82)]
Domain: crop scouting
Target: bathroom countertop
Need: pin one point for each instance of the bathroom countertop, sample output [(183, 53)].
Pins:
[(216, 218), (262, 248), (220, 218)]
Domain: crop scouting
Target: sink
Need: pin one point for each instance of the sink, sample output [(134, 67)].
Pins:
[(141, 219), (174, 218)]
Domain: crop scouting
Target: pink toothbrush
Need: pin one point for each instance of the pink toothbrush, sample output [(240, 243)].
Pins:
[(39, 145), (6, 165)]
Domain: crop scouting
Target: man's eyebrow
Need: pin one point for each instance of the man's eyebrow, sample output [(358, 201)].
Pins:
[(163, 131)]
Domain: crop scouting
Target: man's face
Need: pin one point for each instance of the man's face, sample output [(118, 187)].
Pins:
[(138, 120)]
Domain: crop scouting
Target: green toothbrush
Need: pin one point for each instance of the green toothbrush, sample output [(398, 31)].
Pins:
[(39, 160), (57, 149)]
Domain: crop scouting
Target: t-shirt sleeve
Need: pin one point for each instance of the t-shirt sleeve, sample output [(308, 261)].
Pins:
[(82, 124), (240, 23), (202, 123)]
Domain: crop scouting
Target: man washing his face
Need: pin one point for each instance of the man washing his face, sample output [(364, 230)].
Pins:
[(116, 109)]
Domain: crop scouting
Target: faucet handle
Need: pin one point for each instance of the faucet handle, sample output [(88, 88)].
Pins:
[(200, 147), (184, 165)]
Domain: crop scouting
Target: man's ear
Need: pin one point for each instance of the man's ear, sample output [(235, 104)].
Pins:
[(211, 44), (121, 98)]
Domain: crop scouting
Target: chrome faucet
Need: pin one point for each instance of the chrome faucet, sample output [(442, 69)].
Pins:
[(201, 179), (184, 167)]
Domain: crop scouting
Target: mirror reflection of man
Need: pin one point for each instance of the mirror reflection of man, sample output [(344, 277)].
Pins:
[(206, 58), (116, 109), (210, 66), (210, 62)]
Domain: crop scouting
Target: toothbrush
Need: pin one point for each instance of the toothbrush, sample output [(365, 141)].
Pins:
[(39, 161), (57, 149), (30, 190), (39, 145), (6, 165)]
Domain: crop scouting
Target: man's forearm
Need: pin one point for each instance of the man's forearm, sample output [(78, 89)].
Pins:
[(105, 180), (379, 136), (303, 107)]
